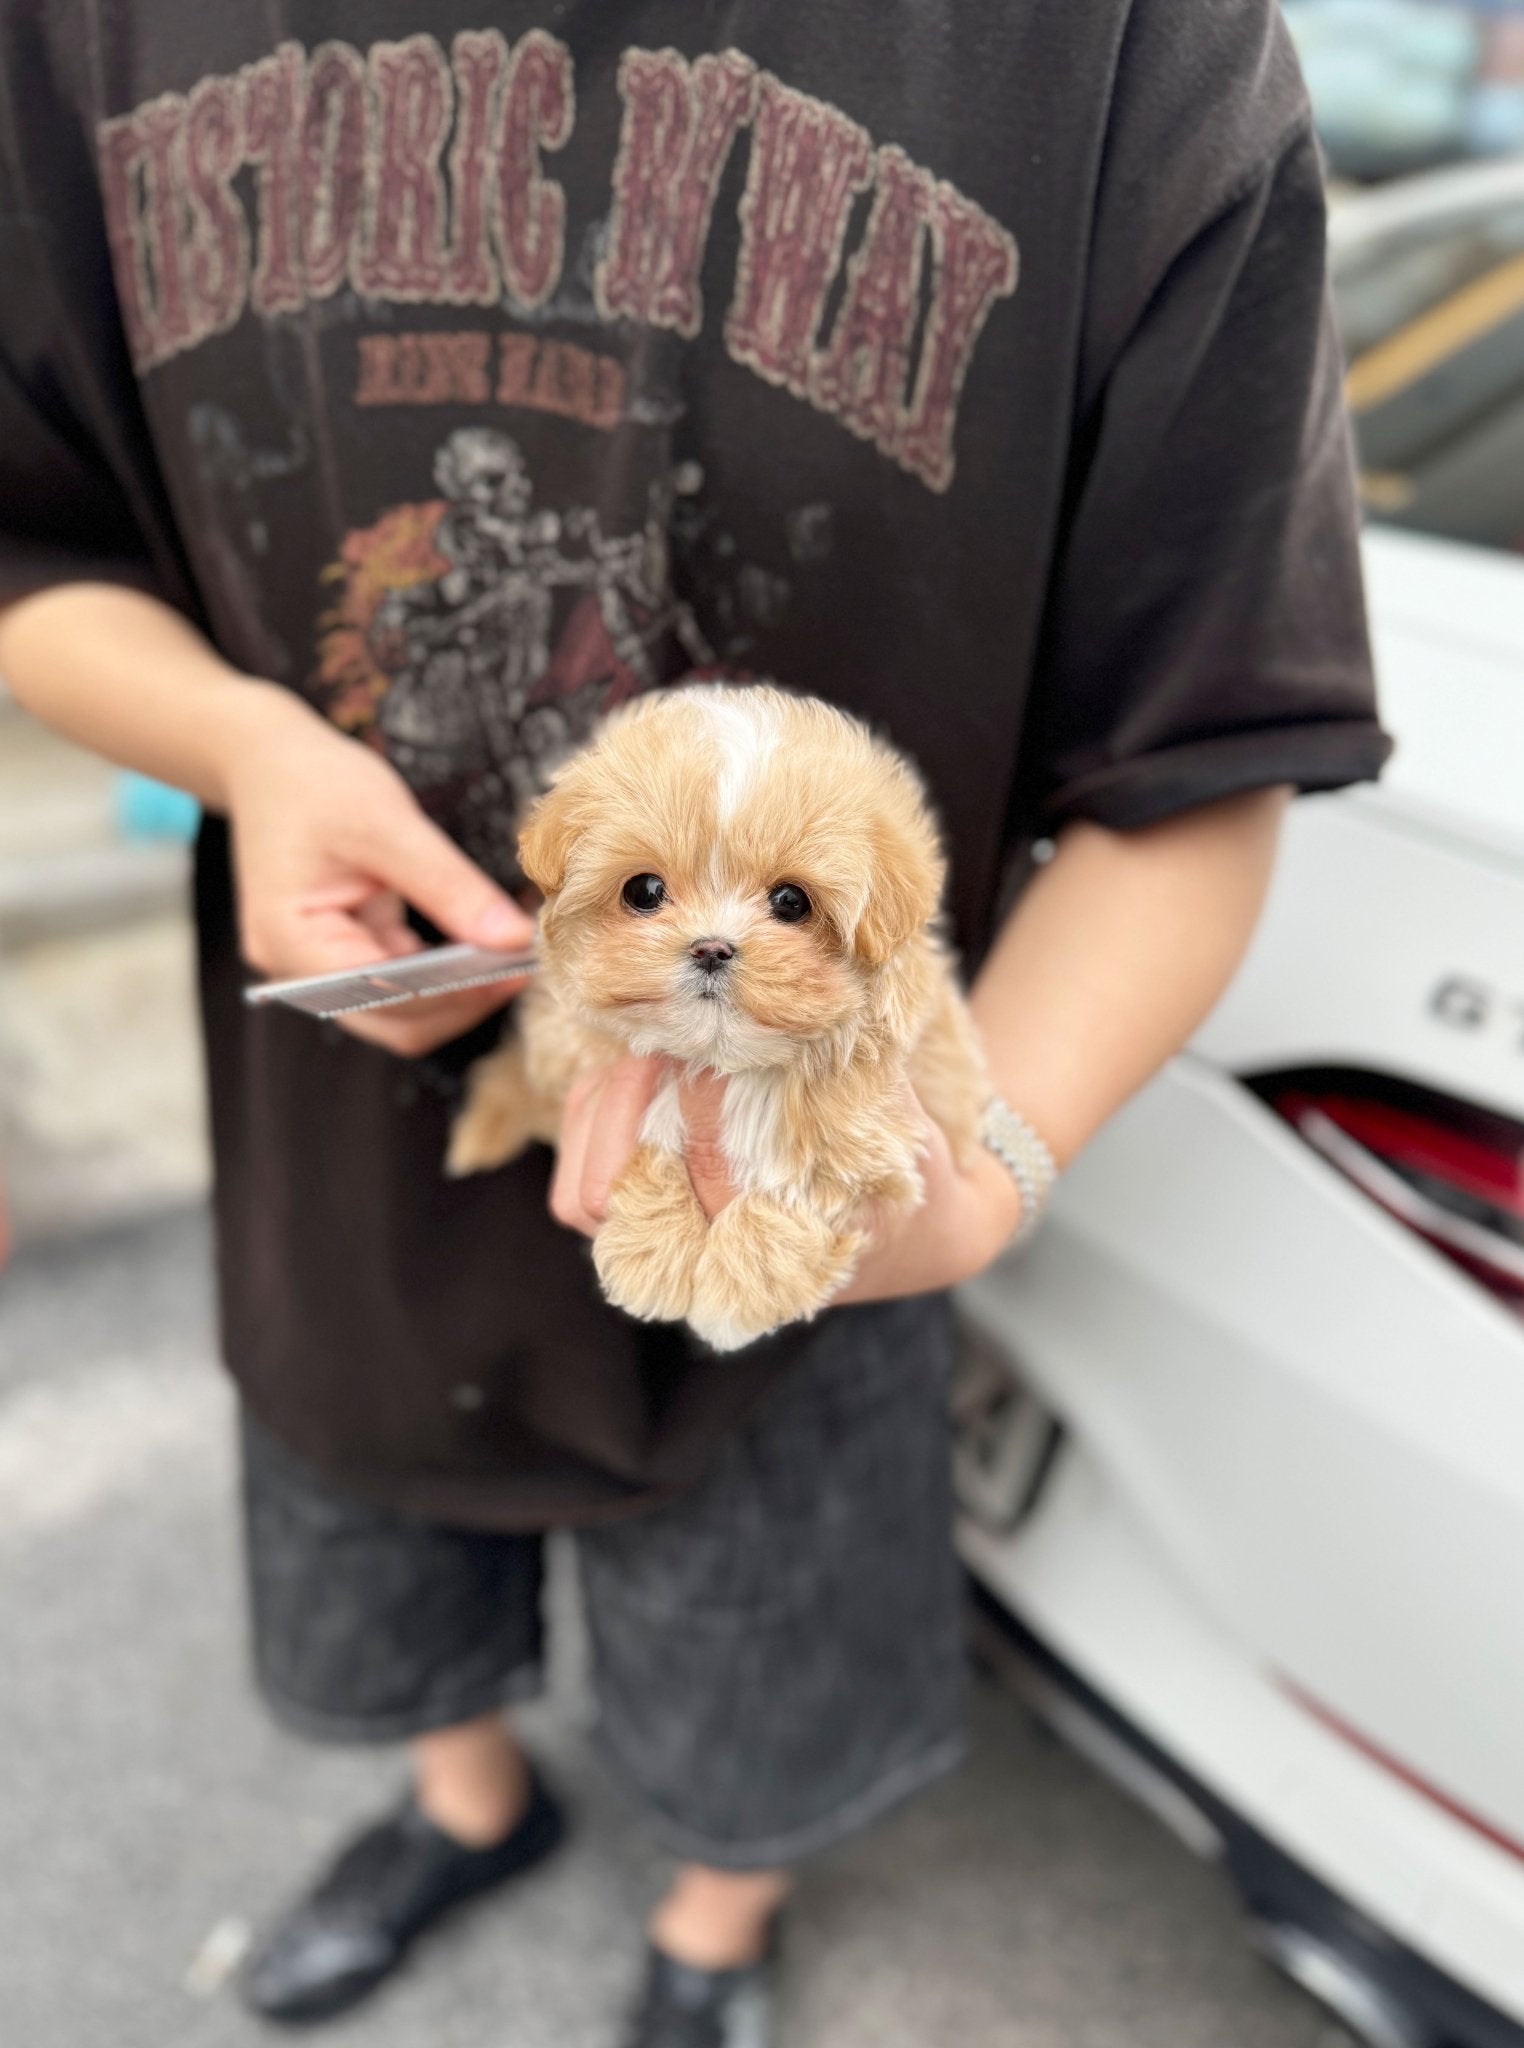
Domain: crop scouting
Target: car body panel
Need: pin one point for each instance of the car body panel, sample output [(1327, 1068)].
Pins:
[(1301, 1428), (1282, 1535), (1302, 1433), (1086, 1578), (1298, 1395), (1390, 943), (1448, 627)]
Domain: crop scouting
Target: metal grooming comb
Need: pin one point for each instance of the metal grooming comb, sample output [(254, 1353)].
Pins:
[(437, 971)]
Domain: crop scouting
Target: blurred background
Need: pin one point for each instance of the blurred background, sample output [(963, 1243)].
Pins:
[(1403, 85), (1239, 1457), (100, 1101)]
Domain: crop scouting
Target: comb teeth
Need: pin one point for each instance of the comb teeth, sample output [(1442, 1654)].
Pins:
[(437, 971)]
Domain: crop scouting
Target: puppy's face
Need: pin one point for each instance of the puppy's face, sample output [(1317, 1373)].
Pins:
[(729, 875)]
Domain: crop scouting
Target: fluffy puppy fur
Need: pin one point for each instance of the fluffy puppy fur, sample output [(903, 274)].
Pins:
[(744, 880)]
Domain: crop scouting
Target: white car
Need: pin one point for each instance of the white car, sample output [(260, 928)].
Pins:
[(1242, 1431)]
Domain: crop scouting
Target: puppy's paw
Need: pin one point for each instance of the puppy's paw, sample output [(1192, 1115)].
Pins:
[(498, 1118), (647, 1250), (764, 1265)]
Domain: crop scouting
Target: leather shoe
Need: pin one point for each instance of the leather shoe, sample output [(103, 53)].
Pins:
[(393, 1881), (681, 2007)]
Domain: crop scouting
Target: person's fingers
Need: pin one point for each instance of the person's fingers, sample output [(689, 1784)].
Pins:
[(703, 1103), (614, 1133), (576, 1125), (312, 937), (385, 917), (418, 1027), (333, 938), (410, 853), (412, 1029), (967, 1216)]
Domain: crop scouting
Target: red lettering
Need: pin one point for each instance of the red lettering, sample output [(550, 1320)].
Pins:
[(974, 263), (608, 392), (679, 126), (163, 130), (378, 366), (332, 165), (464, 361), (863, 374), (351, 181), (403, 252), (479, 61), (423, 369), (272, 93), (559, 377), (807, 162), (219, 259), (564, 380), (515, 365), (121, 156), (539, 106)]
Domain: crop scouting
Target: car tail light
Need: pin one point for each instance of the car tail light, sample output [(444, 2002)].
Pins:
[(1451, 1171)]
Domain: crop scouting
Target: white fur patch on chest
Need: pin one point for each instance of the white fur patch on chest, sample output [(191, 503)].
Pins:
[(662, 1124), (752, 1133), (747, 737), (749, 1130)]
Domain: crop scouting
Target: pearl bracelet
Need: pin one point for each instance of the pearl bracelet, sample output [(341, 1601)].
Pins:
[(1025, 1156)]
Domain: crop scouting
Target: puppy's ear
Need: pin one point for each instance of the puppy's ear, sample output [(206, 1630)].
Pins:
[(548, 834), (904, 883)]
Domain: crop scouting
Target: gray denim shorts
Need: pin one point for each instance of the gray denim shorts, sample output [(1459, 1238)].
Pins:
[(777, 1656)]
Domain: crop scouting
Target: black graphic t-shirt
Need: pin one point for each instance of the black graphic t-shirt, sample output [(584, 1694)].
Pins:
[(470, 368)]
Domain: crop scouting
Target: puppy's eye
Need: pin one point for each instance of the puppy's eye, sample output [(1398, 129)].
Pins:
[(644, 893), (789, 904)]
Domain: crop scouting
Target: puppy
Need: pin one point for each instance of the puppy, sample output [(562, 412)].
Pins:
[(744, 880)]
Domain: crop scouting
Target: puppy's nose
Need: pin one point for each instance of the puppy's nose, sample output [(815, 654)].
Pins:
[(712, 954)]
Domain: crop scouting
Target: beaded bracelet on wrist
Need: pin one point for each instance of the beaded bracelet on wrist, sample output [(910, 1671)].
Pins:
[(1025, 1156)]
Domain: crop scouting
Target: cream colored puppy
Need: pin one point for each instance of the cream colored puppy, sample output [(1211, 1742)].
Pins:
[(744, 880)]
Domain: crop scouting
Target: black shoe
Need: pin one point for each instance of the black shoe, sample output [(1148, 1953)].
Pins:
[(397, 1878), (687, 2008)]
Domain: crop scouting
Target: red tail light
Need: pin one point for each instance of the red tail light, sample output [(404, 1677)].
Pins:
[(1449, 1170)]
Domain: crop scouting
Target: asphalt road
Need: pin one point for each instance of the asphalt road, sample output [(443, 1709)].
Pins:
[(149, 1812)]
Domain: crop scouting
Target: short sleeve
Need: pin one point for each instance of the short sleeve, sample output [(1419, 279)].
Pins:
[(1206, 632), (63, 514)]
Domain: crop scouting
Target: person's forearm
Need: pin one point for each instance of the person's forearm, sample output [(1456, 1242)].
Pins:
[(126, 676), (330, 847), (1114, 954)]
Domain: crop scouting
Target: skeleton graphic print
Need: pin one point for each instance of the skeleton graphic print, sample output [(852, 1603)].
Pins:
[(477, 637)]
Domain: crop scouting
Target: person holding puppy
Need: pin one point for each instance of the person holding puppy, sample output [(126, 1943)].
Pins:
[(382, 406)]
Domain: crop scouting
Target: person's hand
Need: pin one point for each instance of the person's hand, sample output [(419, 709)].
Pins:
[(329, 844), (964, 1222)]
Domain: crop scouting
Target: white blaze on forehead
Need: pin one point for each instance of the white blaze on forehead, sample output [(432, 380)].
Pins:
[(721, 916), (746, 735)]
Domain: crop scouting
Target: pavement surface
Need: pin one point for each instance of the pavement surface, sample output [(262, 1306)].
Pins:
[(150, 1813)]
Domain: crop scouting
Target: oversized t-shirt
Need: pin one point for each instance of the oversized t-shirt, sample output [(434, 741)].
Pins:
[(470, 368)]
